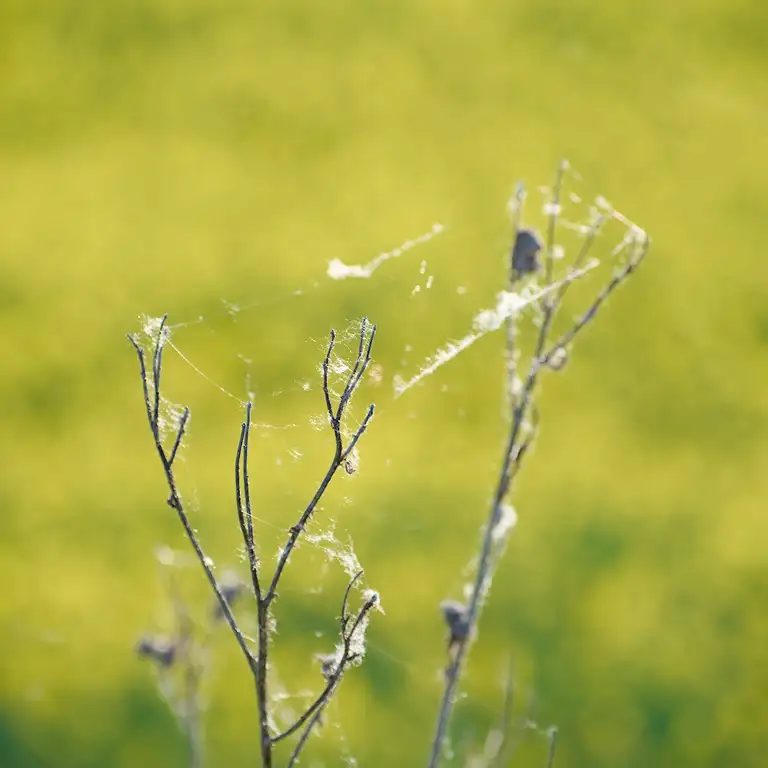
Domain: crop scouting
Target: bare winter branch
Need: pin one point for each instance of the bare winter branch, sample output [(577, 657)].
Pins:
[(520, 438), (243, 500), (179, 435)]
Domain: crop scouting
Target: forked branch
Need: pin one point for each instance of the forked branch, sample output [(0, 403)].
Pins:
[(152, 399), (342, 452), (333, 668)]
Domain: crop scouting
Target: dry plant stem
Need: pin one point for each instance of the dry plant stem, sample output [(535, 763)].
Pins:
[(179, 435), (243, 494), (635, 259), (304, 737), (335, 677), (511, 459), (581, 257), (174, 499), (341, 453), (245, 518), (344, 618), (335, 417), (484, 566), (508, 470), (265, 736)]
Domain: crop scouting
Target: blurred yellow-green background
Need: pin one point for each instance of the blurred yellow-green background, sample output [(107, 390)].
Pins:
[(198, 157)]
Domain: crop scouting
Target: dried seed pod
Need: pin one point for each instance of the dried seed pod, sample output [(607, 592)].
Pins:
[(525, 253), (456, 617)]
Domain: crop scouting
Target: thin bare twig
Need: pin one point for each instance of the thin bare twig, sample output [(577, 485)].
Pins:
[(358, 433), (245, 519), (301, 743), (326, 387), (581, 257), (313, 713), (483, 570), (526, 443), (334, 676), (244, 510), (174, 500), (640, 251), (247, 496), (157, 363), (344, 618), (341, 453), (179, 435)]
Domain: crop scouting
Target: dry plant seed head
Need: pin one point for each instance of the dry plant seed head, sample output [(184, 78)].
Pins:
[(456, 617), (525, 252), (161, 650)]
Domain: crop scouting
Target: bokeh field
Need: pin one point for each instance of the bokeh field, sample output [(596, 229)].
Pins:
[(207, 159)]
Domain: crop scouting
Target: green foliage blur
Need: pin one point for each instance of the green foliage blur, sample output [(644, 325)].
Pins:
[(196, 157)]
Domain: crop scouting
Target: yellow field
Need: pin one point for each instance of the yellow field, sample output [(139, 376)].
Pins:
[(189, 157)]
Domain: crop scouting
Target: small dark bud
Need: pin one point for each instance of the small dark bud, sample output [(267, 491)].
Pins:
[(525, 253), (456, 617), (161, 650)]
